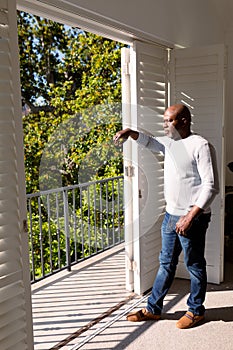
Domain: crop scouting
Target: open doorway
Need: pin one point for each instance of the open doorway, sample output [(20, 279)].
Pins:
[(71, 100)]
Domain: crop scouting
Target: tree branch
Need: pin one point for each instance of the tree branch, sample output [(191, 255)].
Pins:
[(37, 109)]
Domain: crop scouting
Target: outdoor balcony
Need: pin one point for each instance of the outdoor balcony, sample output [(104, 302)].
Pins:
[(79, 299)]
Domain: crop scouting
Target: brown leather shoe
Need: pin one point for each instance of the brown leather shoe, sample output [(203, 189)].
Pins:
[(142, 315), (189, 320)]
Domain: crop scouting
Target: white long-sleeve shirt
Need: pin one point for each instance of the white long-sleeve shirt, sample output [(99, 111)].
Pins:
[(190, 171)]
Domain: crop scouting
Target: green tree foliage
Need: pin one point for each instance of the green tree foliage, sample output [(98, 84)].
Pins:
[(71, 96)]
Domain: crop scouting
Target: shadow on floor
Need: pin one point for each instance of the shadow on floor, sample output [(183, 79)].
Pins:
[(215, 317)]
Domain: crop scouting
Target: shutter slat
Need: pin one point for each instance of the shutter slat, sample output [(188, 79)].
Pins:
[(4, 46), (6, 217), (7, 125), (10, 280), (4, 59), (5, 100), (4, 32), (6, 114), (11, 304), (5, 86), (17, 314), (12, 291), (10, 152), (5, 72), (9, 267), (7, 192), (7, 166), (3, 18), (4, 4), (16, 329), (11, 254)]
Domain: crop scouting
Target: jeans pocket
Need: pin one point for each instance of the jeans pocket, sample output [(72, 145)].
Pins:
[(169, 223)]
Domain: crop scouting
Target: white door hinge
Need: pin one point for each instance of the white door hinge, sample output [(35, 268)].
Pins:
[(131, 265), (125, 69), (129, 171)]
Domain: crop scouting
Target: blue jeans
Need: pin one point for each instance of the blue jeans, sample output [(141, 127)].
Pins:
[(193, 246)]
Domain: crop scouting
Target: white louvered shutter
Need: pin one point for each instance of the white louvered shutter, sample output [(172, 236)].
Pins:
[(15, 304), (127, 150), (198, 81), (148, 83)]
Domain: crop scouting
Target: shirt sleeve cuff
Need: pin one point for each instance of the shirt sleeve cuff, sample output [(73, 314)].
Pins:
[(143, 139)]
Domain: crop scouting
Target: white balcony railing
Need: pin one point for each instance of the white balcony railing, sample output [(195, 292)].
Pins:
[(70, 224)]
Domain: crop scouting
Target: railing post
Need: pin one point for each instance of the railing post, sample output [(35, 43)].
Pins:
[(67, 229)]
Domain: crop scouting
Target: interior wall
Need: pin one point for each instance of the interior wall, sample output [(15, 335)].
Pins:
[(229, 105)]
